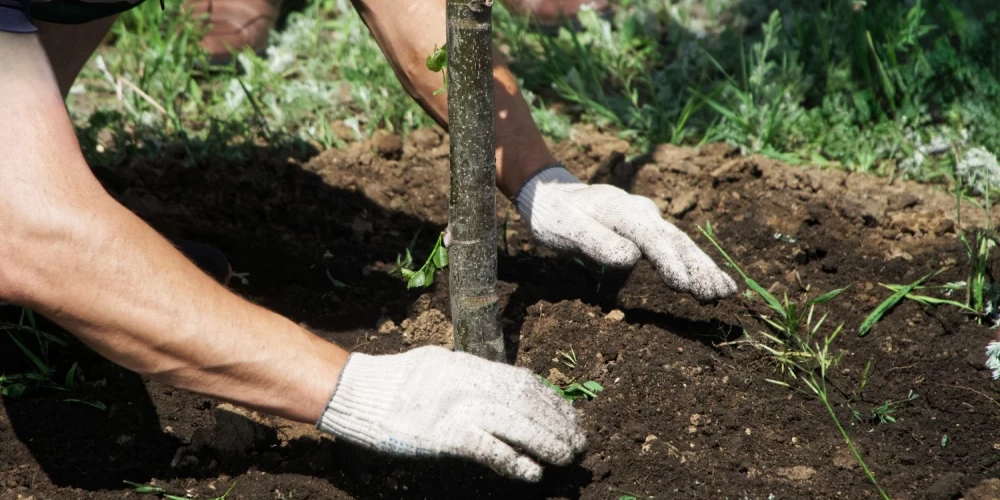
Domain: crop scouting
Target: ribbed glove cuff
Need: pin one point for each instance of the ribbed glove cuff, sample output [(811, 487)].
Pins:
[(555, 173), (364, 398)]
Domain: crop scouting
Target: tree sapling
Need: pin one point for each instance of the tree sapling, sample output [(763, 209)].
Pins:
[(475, 305)]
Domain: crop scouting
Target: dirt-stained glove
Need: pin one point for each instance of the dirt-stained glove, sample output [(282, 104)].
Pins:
[(431, 402), (616, 228)]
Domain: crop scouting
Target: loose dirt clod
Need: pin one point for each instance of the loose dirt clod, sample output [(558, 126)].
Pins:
[(430, 328), (557, 377), (797, 473), (988, 489)]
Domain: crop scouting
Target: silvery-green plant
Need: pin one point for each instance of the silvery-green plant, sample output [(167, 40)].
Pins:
[(979, 170)]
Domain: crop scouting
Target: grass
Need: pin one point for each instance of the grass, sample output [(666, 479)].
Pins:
[(151, 88), (982, 294), (151, 489), (874, 87), (884, 87), (34, 345), (801, 352)]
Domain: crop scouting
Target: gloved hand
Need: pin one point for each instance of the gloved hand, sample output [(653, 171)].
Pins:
[(615, 229), (431, 402)]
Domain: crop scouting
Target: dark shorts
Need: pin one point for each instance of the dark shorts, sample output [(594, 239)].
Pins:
[(16, 16)]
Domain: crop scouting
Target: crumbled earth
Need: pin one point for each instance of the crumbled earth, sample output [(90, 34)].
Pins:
[(686, 410)]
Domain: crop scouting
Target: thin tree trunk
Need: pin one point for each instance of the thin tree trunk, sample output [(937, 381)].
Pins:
[(475, 306)]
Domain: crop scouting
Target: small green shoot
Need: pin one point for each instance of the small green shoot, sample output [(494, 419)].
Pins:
[(982, 294), (93, 404), (42, 375), (944, 440), (150, 489), (575, 390), (569, 358), (423, 277), (337, 283), (437, 62), (880, 311), (628, 495), (864, 379), (883, 412)]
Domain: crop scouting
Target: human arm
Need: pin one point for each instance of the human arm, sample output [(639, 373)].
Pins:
[(603, 222), (74, 254)]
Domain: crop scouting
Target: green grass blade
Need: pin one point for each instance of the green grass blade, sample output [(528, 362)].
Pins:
[(827, 297), (42, 367), (888, 304), (771, 300)]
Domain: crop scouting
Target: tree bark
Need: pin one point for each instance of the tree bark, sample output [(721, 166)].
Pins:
[(475, 306)]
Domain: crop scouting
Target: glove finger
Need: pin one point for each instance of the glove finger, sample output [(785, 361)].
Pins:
[(637, 219), (564, 419), (591, 238), (681, 264), (524, 428), (484, 448), (531, 388), (601, 244), (538, 401), (705, 279), (708, 280)]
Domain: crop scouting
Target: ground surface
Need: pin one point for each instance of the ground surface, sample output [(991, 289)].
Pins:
[(681, 415)]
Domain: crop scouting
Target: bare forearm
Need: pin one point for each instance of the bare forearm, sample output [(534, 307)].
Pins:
[(407, 42), (127, 293), (74, 254)]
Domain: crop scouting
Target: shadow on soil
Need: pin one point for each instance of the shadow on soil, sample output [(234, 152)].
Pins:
[(294, 233)]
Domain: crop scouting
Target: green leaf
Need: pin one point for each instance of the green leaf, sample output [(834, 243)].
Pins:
[(145, 488), (935, 301), (889, 303), (772, 302), (31, 317), (593, 386), (827, 297), (15, 390), (438, 59), (420, 279), (95, 404), (42, 368), (441, 257), (71, 375)]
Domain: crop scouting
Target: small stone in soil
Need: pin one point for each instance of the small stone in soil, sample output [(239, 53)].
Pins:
[(616, 315)]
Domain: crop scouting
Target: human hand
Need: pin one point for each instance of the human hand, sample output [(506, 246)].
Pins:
[(431, 402), (616, 229)]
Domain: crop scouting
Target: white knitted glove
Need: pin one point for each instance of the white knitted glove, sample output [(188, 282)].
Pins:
[(616, 228), (431, 402)]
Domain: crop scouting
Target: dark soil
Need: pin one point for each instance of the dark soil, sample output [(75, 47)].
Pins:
[(686, 411)]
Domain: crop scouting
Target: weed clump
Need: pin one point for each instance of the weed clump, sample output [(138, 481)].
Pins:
[(800, 347)]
